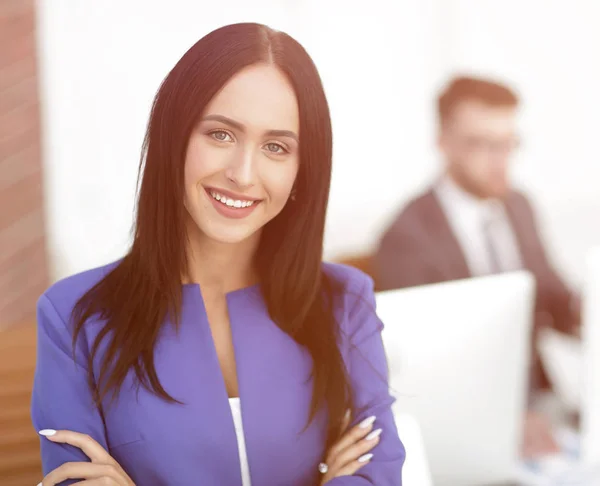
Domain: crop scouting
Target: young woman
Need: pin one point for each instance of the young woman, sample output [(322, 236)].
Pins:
[(222, 309)]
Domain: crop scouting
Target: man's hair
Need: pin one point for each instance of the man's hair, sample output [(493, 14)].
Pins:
[(466, 88)]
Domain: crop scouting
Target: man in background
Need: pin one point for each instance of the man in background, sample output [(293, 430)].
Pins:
[(472, 223)]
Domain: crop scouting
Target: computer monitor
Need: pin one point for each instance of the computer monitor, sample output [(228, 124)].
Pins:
[(415, 471), (459, 357), (590, 333)]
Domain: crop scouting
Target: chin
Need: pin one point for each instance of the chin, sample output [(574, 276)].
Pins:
[(231, 236), (500, 191)]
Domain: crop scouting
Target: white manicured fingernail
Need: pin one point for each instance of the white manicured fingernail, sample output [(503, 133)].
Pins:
[(374, 434), (367, 422), (365, 458), (47, 432), (39, 484)]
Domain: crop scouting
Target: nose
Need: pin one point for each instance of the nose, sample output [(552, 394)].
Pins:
[(242, 168)]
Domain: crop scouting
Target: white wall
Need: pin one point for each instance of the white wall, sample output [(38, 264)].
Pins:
[(379, 70), (381, 62)]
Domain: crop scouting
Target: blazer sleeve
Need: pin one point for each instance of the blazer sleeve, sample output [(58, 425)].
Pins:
[(555, 295), (61, 397), (368, 369)]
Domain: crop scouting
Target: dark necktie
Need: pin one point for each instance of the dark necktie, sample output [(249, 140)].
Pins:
[(493, 257)]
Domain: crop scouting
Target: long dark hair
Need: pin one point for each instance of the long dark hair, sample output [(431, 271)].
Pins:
[(145, 287)]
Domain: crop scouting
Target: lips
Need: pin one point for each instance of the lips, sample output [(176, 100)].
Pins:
[(229, 201), (231, 205)]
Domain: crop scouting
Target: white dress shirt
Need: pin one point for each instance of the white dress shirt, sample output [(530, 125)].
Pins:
[(468, 217), (236, 412)]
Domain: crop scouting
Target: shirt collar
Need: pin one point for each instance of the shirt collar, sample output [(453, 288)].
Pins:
[(464, 203)]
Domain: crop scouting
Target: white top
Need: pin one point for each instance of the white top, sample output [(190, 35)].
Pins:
[(468, 217), (236, 412)]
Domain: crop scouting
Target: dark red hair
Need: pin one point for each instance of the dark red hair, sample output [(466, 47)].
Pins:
[(466, 88), (145, 287)]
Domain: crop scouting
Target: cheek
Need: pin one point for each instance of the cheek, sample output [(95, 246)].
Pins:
[(279, 183), (201, 161)]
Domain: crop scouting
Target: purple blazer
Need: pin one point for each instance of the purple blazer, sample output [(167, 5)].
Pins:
[(160, 443)]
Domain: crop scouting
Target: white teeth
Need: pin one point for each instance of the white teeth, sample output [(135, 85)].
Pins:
[(232, 203)]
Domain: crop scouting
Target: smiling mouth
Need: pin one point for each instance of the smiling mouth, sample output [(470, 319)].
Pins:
[(231, 203)]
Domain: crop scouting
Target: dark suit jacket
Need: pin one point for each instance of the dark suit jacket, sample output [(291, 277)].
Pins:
[(420, 248)]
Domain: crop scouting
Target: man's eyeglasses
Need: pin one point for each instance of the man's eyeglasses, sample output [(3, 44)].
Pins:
[(491, 146)]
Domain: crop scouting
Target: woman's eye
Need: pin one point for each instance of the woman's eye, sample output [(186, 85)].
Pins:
[(275, 148), (221, 136)]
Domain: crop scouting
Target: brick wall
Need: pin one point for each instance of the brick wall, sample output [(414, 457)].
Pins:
[(23, 261)]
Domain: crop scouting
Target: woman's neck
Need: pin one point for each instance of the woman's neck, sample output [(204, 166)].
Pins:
[(222, 267)]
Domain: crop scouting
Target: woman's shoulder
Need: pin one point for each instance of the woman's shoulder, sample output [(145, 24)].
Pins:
[(354, 303), (64, 294), (349, 281)]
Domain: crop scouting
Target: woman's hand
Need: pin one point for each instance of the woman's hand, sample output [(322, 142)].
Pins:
[(352, 451), (103, 470)]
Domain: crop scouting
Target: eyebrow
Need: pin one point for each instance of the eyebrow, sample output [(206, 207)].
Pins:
[(242, 128)]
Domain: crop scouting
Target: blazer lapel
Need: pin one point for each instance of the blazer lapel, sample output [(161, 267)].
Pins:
[(445, 249), (523, 233)]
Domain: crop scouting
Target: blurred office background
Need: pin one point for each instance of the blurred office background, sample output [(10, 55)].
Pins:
[(77, 80)]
